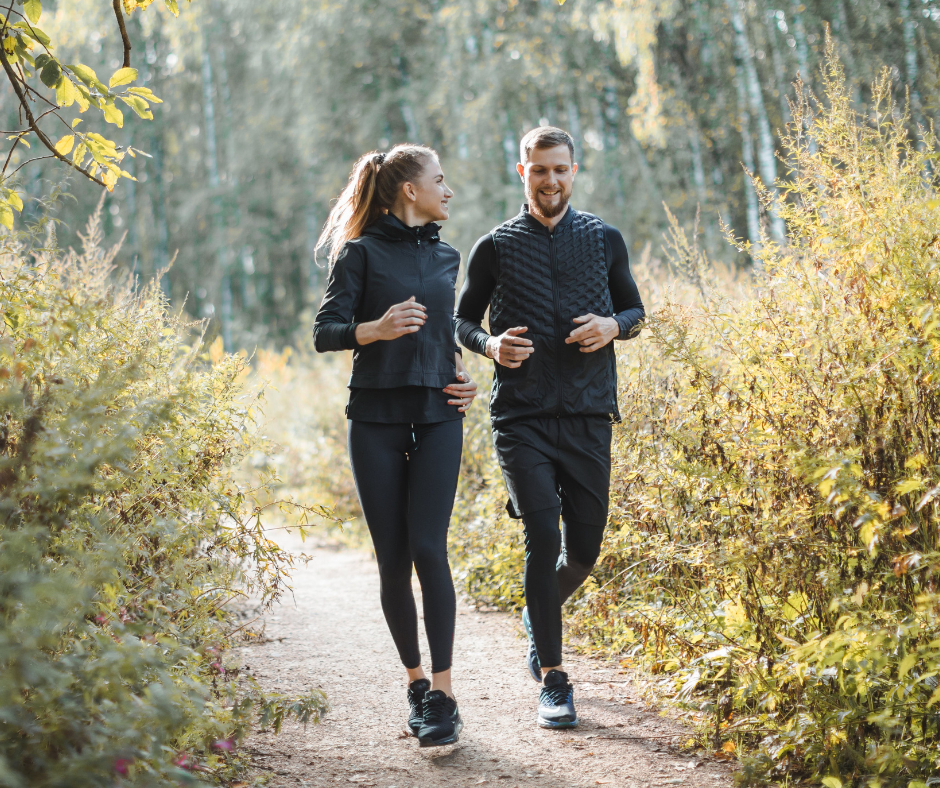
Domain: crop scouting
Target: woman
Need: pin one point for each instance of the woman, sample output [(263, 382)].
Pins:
[(390, 298)]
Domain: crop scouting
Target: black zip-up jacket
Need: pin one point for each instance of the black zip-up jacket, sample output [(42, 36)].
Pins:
[(387, 265), (530, 276)]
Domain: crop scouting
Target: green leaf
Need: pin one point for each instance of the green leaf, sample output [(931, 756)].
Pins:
[(33, 10), (50, 74), (42, 59), (86, 75), (122, 76), (138, 105), (146, 93), (34, 33), (65, 93), (113, 115), (832, 782), (64, 145)]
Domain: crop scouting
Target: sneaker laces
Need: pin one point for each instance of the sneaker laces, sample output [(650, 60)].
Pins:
[(435, 708), (557, 694)]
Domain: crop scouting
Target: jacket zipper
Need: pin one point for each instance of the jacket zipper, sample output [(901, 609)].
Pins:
[(558, 348), (422, 349)]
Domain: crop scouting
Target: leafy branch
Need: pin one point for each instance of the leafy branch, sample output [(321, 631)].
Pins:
[(26, 52)]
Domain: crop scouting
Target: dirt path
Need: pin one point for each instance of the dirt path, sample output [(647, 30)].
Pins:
[(332, 635)]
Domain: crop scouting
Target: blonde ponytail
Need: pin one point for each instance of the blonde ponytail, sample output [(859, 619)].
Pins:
[(372, 189)]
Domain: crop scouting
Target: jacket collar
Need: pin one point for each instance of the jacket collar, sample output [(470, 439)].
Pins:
[(391, 228), (531, 221)]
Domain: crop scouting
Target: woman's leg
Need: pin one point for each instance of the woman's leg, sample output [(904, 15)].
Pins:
[(377, 453), (433, 466)]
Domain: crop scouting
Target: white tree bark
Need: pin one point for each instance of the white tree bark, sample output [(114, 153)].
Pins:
[(757, 111), (752, 209), (212, 161)]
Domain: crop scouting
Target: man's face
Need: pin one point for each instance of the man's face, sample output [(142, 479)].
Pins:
[(548, 176)]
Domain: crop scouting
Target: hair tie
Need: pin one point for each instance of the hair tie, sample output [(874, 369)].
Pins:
[(379, 159)]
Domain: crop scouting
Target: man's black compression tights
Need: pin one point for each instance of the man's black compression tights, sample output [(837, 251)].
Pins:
[(553, 573), (406, 477)]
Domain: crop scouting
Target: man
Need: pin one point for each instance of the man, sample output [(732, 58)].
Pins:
[(558, 286)]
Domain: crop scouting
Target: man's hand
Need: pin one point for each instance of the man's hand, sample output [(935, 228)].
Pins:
[(594, 333), (509, 349), (400, 319)]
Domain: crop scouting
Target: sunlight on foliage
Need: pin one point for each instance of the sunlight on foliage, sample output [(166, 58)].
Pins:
[(773, 550), (123, 535)]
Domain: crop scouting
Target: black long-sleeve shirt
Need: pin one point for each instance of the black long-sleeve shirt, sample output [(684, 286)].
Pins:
[(483, 269)]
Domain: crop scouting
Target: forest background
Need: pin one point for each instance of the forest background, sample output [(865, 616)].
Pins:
[(773, 555)]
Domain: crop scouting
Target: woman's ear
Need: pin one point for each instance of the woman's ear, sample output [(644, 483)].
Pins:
[(408, 189)]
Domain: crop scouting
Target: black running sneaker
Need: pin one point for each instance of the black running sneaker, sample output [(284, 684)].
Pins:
[(416, 692), (556, 702), (442, 721), (532, 657)]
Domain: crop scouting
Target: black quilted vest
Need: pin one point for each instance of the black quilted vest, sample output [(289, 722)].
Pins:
[(545, 280)]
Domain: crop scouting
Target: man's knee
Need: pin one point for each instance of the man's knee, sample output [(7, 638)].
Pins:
[(542, 535)]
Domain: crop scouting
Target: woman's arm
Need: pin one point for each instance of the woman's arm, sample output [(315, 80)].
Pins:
[(335, 326)]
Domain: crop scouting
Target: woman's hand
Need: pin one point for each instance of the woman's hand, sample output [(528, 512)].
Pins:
[(464, 390), (400, 319)]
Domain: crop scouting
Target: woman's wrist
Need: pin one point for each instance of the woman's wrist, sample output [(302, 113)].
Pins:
[(366, 333)]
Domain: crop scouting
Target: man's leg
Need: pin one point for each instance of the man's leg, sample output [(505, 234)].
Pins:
[(542, 547), (581, 545)]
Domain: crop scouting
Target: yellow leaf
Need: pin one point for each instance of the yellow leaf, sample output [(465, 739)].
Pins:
[(14, 199), (6, 216), (113, 115), (78, 156), (728, 746), (832, 782), (65, 93), (64, 145), (76, 122), (122, 77), (906, 664), (216, 350), (33, 10), (908, 485), (110, 178)]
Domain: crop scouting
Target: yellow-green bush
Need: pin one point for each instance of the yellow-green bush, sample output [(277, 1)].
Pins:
[(122, 535), (773, 550)]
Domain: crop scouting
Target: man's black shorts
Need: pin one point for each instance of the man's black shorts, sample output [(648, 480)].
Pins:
[(564, 461)]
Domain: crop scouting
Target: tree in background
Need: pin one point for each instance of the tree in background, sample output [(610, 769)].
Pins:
[(669, 101)]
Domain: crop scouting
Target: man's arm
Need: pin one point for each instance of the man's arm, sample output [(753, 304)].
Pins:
[(475, 296), (595, 331), (508, 349), (628, 307)]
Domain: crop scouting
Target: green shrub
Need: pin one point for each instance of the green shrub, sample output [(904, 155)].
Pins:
[(122, 535), (773, 551)]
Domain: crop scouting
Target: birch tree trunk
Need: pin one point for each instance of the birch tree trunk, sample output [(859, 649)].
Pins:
[(212, 161), (752, 209), (757, 112)]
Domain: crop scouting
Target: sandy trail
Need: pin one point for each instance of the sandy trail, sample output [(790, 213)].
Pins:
[(332, 635)]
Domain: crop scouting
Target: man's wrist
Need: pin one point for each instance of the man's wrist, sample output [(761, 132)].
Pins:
[(488, 349)]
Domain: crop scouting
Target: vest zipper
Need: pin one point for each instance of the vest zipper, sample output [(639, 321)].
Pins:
[(558, 346)]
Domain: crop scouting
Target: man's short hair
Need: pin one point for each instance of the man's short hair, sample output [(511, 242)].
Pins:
[(544, 137)]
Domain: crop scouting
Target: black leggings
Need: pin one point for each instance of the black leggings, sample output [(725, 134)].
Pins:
[(406, 477), (554, 569)]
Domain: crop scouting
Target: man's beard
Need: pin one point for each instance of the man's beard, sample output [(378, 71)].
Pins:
[(549, 211)]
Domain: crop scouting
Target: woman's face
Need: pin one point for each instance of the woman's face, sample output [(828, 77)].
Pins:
[(429, 194)]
